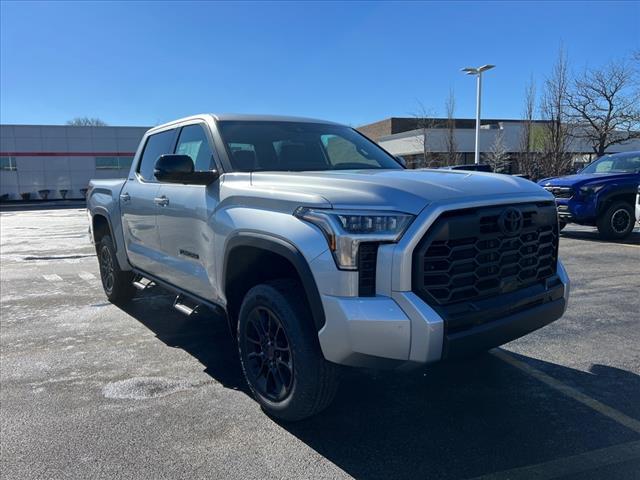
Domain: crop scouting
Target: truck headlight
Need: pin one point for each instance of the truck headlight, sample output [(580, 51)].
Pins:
[(590, 190), (345, 229)]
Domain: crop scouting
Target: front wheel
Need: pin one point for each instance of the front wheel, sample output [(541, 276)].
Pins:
[(117, 283), (561, 225), (280, 354), (616, 223)]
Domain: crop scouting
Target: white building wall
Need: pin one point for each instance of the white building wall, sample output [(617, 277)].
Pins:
[(61, 157)]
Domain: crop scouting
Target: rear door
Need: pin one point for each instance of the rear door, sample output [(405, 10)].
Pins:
[(186, 237), (139, 203)]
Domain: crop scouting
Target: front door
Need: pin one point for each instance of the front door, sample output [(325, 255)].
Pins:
[(186, 237)]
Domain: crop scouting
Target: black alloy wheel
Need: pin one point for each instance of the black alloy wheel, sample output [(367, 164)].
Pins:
[(117, 283), (617, 222), (620, 221), (270, 360), (107, 273)]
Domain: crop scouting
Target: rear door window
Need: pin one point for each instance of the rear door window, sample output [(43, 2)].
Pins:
[(157, 144)]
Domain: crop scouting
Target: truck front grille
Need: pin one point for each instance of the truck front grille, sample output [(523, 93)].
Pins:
[(560, 192), (469, 255)]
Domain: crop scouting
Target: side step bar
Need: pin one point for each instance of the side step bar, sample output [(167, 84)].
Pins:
[(181, 304), (142, 283), (184, 302)]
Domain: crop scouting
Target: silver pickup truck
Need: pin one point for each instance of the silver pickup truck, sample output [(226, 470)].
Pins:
[(322, 250)]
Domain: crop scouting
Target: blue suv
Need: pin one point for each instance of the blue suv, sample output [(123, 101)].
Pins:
[(602, 194)]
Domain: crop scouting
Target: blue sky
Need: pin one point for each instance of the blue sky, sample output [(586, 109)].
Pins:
[(353, 62)]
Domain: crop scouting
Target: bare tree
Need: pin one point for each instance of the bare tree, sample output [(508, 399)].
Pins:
[(451, 146), (604, 104), (555, 159), (498, 156), (424, 122), (528, 158), (87, 122)]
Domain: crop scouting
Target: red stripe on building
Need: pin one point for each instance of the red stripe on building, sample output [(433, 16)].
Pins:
[(67, 154)]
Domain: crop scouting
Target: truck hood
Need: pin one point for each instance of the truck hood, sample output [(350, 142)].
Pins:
[(580, 179), (402, 190)]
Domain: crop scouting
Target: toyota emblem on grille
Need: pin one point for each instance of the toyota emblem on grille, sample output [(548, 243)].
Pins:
[(511, 221)]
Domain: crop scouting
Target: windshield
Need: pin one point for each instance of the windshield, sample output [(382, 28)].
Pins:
[(614, 164), (300, 146)]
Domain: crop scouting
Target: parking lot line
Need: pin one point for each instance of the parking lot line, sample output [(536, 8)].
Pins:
[(89, 277), (572, 465), (612, 413), (52, 278)]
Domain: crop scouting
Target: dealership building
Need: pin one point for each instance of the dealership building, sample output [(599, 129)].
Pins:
[(47, 162), (406, 137), (54, 162)]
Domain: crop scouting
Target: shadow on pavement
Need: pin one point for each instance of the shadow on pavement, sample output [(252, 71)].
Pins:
[(456, 420)]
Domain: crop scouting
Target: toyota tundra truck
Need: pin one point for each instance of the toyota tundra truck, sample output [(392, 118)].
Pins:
[(323, 251)]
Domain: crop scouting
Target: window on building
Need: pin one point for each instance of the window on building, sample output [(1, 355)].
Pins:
[(125, 162), (158, 144), (107, 163), (113, 163), (7, 163), (193, 142)]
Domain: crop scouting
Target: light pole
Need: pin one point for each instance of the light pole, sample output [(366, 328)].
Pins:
[(478, 73)]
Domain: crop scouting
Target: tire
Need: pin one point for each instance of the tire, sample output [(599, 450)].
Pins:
[(289, 377), (561, 225), (617, 221), (117, 284)]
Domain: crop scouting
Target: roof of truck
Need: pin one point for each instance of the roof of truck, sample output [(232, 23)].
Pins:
[(242, 117), (265, 118)]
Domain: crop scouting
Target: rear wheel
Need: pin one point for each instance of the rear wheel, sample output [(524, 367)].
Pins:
[(617, 221), (280, 354), (117, 283)]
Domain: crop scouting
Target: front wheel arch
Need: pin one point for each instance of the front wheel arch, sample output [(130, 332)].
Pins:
[(239, 275)]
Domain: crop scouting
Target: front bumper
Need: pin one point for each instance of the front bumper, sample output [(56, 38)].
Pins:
[(402, 331), (576, 210)]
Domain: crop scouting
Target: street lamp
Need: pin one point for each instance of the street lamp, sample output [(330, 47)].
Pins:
[(478, 73)]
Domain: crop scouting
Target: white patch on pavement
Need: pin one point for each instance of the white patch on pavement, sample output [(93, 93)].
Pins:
[(89, 277), (142, 388), (52, 278)]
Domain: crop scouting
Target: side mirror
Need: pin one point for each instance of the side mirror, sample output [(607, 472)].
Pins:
[(179, 169), (401, 161)]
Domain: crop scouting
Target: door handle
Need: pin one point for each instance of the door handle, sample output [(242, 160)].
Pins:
[(162, 201), (125, 197)]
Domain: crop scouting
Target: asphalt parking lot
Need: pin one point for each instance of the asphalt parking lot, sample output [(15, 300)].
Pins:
[(90, 390)]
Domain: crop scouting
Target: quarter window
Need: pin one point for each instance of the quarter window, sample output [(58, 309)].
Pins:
[(193, 142), (158, 144)]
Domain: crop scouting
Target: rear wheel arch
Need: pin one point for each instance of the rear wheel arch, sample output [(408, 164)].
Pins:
[(253, 258), (100, 226)]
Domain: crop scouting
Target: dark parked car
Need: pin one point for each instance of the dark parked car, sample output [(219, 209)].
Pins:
[(602, 194)]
